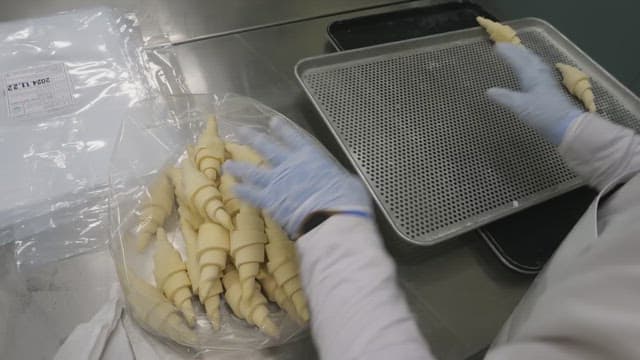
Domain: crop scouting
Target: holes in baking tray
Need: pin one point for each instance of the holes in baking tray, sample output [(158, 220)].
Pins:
[(435, 151)]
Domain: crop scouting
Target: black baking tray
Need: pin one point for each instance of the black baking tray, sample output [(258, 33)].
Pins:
[(526, 240), (404, 24)]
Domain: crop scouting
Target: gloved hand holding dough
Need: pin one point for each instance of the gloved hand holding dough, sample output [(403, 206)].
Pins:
[(541, 103), (302, 179)]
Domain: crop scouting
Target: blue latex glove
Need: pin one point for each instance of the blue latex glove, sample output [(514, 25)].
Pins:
[(303, 179), (542, 103)]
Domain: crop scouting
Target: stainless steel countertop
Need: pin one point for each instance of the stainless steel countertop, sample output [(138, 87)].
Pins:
[(189, 19), (459, 291)]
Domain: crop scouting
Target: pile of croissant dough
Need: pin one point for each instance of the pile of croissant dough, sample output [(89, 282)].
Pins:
[(233, 250), (576, 81)]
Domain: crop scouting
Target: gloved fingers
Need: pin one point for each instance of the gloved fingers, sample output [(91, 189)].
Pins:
[(273, 152), (289, 134), (512, 100), (251, 194), (248, 173), (529, 68)]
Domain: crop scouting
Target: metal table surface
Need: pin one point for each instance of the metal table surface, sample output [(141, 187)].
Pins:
[(186, 20), (459, 291)]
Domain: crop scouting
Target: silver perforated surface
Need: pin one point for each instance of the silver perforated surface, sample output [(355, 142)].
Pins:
[(440, 158)]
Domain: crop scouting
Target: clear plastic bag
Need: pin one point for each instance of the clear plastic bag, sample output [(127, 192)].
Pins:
[(146, 150), (68, 82)]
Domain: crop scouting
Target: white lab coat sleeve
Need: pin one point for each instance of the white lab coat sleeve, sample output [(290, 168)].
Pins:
[(357, 309), (600, 151)]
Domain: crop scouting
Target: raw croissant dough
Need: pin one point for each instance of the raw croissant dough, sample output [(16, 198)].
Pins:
[(578, 84), (244, 153), (231, 202), (213, 246), (247, 246), (227, 242), (203, 195), (150, 307), (171, 276), (283, 265), (208, 154), (191, 243), (185, 210), (276, 294), (253, 309), (499, 32), (155, 210)]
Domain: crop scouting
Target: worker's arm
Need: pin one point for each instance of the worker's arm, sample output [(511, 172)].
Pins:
[(596, 149), (601, 151), (357, 309)]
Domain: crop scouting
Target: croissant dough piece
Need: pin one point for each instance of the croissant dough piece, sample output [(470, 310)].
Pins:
[(283, 265), (185, 211), (578, 84), (213, 246), (155, 210), (229, 199), (247, 246), (276, 294), (244, 153), (191, 243), (253, 309), (150, 307), (208, 154), (204, 196), (211, 302), (171, 276), (499, 32)]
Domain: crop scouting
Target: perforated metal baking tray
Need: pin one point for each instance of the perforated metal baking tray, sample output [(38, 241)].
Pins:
[(440, 158)]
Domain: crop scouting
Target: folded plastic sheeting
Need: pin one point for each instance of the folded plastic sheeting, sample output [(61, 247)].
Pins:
[(67, 83)]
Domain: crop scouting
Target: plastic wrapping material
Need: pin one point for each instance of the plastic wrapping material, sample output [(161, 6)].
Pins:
[(148, 151), (68, 82)]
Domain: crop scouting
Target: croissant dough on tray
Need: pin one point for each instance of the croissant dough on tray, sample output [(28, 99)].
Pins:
[(578, 84), (499, 32)]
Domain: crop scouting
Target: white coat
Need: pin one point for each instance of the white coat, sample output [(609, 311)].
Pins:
[(584, 305)]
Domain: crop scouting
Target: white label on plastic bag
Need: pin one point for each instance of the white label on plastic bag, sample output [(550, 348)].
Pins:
[(37, 90)]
